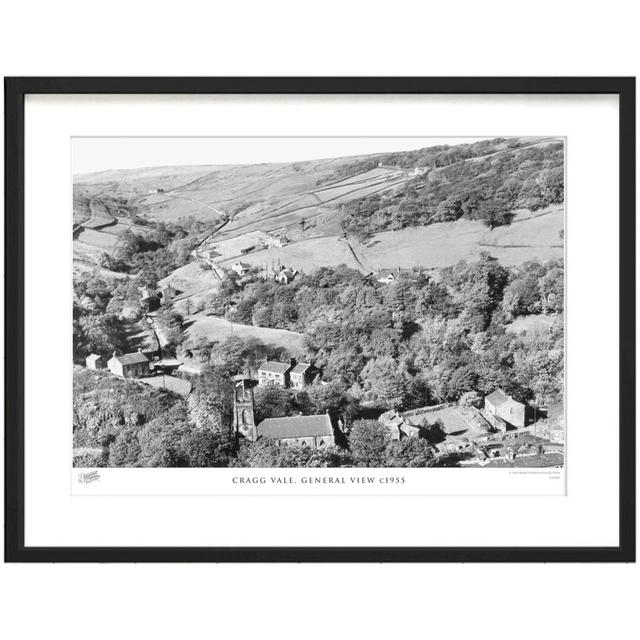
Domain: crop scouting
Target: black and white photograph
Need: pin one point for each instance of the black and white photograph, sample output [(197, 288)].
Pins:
[(318, 302)]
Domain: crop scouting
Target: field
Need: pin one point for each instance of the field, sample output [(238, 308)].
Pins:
[(191, 279), (302, 200), (304, 256), (219, 329), (530, 323), (531, 235)]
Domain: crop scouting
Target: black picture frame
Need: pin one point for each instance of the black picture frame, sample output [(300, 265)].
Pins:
[(15, 91)]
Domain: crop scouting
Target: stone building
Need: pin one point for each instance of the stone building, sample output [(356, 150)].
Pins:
[(503, 407), (241, 268), (315, 431), (129, 365), (275, 374), (244, 424), (302, 375)]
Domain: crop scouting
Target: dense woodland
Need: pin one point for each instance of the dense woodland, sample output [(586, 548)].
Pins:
[(488, 189), (417, 341)]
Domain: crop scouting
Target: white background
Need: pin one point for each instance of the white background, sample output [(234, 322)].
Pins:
[(368, 38), (53, 517)]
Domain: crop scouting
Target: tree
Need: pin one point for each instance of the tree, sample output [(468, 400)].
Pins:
[(205, 449), (101, 333), (274, 402), (385, 382), (409, 452), (471, 399), (124, 451), (270, 454), (210, 402), (477, 289), (368, 441), (168, 325), (551, 287)]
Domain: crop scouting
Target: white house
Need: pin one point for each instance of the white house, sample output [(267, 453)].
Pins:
[(503, 406), (241, 268), (129, 365)]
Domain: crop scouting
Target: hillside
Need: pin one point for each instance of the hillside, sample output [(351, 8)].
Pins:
[(368, 212)]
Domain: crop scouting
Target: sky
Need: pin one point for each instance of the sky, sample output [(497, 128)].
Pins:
[(99, 154)]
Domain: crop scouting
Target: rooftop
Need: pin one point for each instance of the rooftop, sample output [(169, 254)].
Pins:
[(301, 367), (273, 366), (295, 427), (497, 397), (132, 358)]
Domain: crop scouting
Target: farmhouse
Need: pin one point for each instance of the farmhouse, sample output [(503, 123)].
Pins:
[(302, 375), (95, 361), (285, 276), (129, 365), (502, 407), (400, 427), (240, 268), (385, 276), (275, 374), (276, 240), (314, 431)]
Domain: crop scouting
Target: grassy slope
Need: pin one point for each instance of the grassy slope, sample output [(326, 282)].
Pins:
[(220, 329), (277, 197)]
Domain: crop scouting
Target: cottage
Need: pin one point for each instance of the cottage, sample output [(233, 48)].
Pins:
[(302, 375), (502, 407), (285, 276), (95, 361), (129, 365), (400, 426), (241, 268), (385, 276), (315, 431), (275, 374)]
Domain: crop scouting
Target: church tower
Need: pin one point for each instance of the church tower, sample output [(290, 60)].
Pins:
[(243, 419)]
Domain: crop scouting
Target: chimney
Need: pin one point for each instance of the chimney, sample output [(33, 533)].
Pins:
[(139, 350), (115, 353), (292, 362)]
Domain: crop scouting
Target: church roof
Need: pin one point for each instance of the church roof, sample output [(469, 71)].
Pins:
[(296, 427)]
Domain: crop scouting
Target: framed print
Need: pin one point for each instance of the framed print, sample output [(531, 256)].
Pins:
[(320, 319)]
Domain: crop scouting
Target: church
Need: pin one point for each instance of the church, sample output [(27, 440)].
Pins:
[(316, 431)]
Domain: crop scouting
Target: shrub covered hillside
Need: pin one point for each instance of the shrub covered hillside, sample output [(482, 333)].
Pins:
[(124, 423), (487, 188)]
